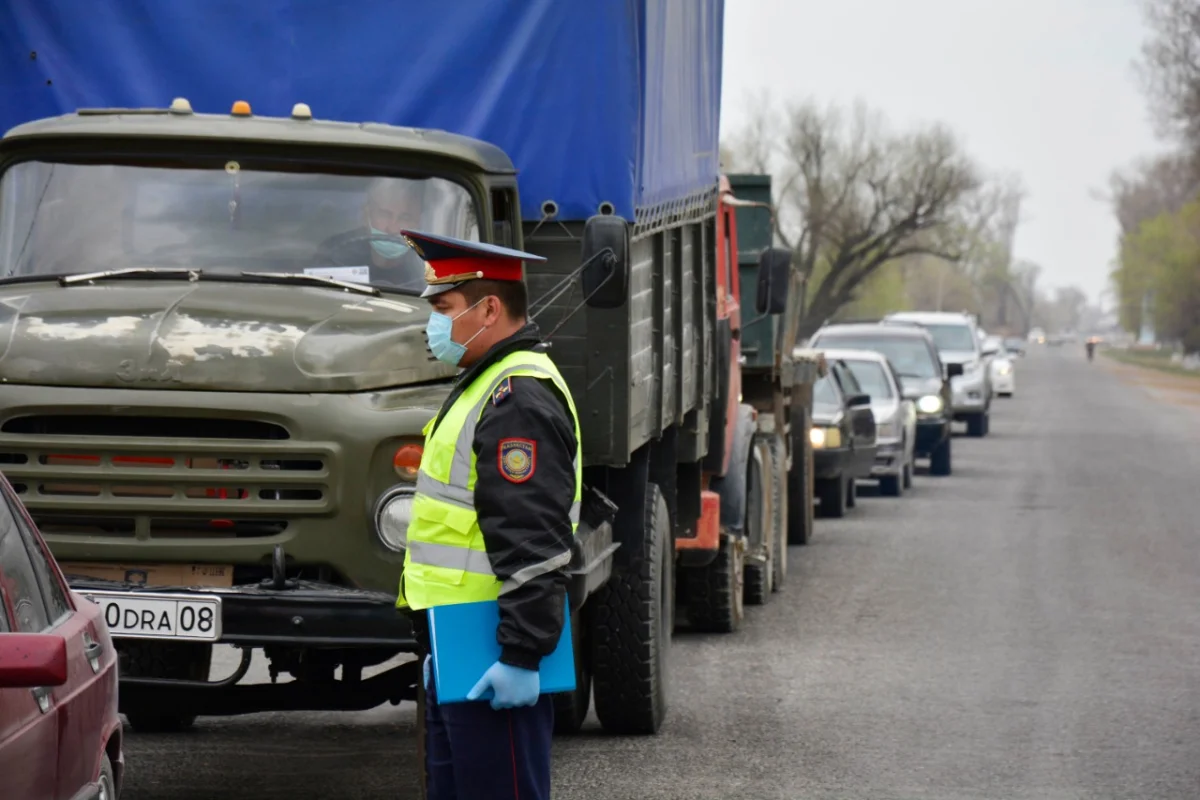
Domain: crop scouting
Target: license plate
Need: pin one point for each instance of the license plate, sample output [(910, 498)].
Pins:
[(145, 615)]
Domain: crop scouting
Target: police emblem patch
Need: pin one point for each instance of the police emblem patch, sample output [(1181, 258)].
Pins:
[(517, 459), (503, 390)]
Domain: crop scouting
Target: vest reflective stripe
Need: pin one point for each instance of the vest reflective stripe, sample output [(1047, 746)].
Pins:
[(446, 560), (455, 491)]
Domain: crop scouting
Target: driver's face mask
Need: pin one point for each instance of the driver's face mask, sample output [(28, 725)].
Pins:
[(387, 250)]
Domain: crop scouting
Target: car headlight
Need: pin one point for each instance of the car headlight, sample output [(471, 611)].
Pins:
[(1004, 369), (929, 404), (822, 437), (392, 513), (888, 428)]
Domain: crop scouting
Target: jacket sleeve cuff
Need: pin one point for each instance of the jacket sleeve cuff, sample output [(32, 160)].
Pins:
[(517, 657)]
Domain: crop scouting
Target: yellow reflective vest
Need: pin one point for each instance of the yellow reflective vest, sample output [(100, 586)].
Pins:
[(445, 561)]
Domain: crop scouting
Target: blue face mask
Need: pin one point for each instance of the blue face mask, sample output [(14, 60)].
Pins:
[(387, 250), (439, 330)]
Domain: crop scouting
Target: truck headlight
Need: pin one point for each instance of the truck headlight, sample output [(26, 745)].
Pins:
[(392, 513), (929, 404)]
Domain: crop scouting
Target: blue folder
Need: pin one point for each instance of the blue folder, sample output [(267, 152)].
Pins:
[(462, 638)]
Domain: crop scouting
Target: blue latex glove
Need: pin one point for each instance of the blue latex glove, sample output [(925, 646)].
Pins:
[(513, 687), (425, 669)]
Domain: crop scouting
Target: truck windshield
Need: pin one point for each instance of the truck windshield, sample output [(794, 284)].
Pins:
[(909, 355), (64, 218)]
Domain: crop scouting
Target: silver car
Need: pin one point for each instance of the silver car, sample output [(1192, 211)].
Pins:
[(895, 417), (955, 335)]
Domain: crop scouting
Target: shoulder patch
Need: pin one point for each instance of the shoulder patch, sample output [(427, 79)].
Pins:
[(517, 459), (502, 391)]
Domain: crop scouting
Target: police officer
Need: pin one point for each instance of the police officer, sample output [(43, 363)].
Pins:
[(500, 473)]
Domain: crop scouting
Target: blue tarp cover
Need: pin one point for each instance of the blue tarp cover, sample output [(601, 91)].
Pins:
[(593, 100)]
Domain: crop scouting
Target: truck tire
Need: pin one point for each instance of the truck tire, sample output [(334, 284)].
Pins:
[(759, 578), (832, 492), (851, 493), (799, 482), (631, 633), (151, 659), (715, 603), (571, 708), (779, 507), (939, 459)]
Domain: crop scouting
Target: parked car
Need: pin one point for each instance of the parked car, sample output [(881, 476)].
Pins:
[(924, 378), (895, 417), (60, 736), (1001, 366), (843, 439), (954, 334)]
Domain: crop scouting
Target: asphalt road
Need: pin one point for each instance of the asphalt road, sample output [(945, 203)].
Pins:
[(1027, 628)]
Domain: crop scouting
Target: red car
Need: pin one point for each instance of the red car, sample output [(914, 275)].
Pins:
[(60, 736)]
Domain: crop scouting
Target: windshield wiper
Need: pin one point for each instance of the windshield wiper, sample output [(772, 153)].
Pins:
[(317, 279), (131, 272)]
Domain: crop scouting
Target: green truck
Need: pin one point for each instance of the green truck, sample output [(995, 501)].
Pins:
[(216, 419)]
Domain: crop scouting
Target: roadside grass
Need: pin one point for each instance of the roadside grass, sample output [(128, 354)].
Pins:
[(1152, 359)]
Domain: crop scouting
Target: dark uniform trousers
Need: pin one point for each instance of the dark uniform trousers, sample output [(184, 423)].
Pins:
[(474, 752)]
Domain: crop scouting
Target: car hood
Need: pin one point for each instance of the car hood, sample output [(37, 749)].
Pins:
[(914, 388), (884, 409), (218, 336), (827, 415)]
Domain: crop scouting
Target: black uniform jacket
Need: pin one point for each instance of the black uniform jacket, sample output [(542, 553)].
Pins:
[(524, 514)]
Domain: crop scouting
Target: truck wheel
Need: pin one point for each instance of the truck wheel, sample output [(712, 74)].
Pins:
[(715, 603), (779, 506), (179, 660), (832, 492), (758, 529), (939, 459), (799, 482), (571, 708), (631, 636), (851, 492)]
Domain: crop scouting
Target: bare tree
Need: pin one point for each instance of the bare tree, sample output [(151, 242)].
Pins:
[(1152, 186), (852, 196), (1170, 67)]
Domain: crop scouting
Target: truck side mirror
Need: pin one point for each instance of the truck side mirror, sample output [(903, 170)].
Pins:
[(774, 268), (606, 274)]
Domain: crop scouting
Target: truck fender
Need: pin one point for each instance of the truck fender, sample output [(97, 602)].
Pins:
[(731, 487)]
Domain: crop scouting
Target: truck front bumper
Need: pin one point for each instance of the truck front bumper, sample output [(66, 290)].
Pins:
[(301, 614)]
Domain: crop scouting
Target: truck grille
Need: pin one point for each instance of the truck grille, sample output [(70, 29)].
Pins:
[(163, 477)]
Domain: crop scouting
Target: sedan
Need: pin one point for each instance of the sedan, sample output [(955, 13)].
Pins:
[(60, 736), (843, 439), (895, 418), (1004, 381)]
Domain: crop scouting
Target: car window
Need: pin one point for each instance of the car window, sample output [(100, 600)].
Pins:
[(910, 355), (847, 381), (872, 378), (57, 605), (952, 337), (824, 394), (18, 579)]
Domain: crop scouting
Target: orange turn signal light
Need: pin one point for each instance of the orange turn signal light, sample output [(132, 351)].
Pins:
[(407, 461), (241, 109)]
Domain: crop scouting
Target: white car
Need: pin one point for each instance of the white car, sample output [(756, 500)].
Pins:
[(954, 334), (895, 417), (1002, 366)]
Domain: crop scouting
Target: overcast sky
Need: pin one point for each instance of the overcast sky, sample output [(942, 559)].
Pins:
[(1041, 87)]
